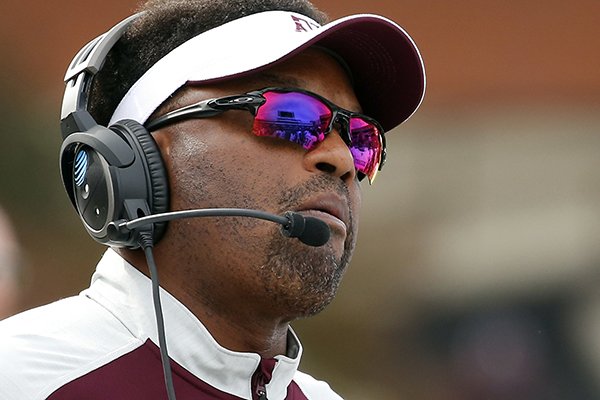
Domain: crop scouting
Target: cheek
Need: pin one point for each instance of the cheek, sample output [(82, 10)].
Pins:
[(227, 168), (356, 204), (186, 166)]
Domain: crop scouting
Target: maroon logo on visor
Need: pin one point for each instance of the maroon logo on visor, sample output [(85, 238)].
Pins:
[(303, 25)]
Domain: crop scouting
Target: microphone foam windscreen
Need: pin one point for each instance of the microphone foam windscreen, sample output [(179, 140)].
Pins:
[(316, 232)]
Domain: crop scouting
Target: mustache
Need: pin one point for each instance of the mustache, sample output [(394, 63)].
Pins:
[(295, 196)]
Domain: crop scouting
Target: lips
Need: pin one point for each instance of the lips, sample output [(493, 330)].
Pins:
[(330, 208)]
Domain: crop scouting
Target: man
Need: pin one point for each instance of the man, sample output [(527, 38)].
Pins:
[(214, 82)]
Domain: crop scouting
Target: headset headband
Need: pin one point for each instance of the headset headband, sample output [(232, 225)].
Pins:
[(75, 116)]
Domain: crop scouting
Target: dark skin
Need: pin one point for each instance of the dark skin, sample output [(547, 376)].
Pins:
[(240, 276)]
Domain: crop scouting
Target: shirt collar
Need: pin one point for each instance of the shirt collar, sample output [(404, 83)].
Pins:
[(127, 294)]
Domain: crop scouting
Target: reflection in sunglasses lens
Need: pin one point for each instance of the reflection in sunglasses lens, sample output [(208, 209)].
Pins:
[(303, 119)]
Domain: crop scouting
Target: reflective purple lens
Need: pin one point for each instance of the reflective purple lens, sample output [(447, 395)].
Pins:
[(303, 119), (365, 146), (293, 116)]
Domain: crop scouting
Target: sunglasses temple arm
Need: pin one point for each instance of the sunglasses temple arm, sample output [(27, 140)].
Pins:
[(207, 109), (198, 110)]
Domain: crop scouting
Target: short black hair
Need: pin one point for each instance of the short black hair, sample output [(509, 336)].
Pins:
[(165, 25)]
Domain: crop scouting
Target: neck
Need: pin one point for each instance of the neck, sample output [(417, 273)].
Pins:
[(235, 323), (240, 328)]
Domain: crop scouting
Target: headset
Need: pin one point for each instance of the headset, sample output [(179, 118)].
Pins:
[(110, 173)]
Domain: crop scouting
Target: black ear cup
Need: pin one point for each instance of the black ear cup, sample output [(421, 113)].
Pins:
[(112, 174), (153, 164)]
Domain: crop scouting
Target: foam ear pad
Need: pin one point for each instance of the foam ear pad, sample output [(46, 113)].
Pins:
[(159, 190)]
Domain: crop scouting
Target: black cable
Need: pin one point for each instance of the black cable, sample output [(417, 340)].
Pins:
[(205, 212), (147, 245)]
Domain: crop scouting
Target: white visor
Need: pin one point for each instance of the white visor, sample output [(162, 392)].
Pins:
[(386, 66)]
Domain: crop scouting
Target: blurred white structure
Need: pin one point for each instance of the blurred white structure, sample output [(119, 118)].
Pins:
[(9, 268)]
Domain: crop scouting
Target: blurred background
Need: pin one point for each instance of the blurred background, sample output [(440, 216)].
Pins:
[(478, 267)]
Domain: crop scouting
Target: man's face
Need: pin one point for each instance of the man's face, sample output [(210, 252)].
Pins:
[(217, 162)]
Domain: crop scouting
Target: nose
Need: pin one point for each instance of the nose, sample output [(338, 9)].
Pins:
[(333, 157)]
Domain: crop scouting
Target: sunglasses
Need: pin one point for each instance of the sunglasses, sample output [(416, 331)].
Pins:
[(297, 116)]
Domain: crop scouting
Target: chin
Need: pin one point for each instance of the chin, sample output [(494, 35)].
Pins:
[(301, 281)]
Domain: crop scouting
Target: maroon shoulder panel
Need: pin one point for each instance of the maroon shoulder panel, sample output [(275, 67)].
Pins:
[(137, 375)]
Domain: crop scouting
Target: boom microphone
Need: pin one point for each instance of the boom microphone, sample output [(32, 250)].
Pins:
[(309, 230)]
